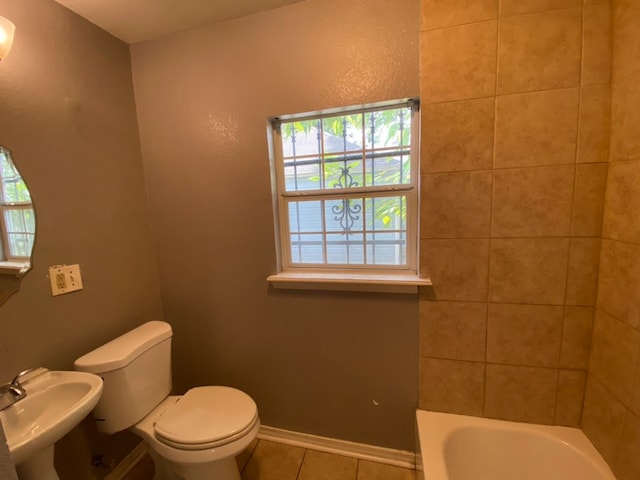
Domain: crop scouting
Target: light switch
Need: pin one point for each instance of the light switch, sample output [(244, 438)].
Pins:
[(65, 279)]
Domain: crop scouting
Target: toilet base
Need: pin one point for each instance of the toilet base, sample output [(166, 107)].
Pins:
[(223, 469)]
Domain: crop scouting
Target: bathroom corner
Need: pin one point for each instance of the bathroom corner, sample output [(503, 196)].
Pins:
[(611, 416)]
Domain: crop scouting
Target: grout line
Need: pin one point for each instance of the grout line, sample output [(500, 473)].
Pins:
[(458, 25), (575, 168), (564, 324), (616, 318), (508, 94), (518, 167), (498, 17), (582, 35), (621, 160), (493, 183), (486, 348), (493, 169), (608, 390), (506, 364), (608, 239), (538, 12), (531, 237), (555, 403), (244, 467), (301, 463), (494, 302)]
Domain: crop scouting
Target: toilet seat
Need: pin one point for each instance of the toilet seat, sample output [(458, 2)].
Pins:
[(206, 417), (179, 455)]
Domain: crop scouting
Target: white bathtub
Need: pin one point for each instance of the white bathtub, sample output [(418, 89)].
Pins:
[(457, 447)]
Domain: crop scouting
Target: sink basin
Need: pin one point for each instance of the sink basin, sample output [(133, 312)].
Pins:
[(56, 402)]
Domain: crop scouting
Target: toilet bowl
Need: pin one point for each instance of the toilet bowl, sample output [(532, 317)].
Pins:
[(195, 440), (194, 436)]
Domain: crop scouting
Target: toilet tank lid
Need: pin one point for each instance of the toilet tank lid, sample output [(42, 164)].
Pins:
[(121, 351)]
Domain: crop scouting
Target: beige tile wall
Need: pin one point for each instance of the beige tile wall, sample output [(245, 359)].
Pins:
[(515, 139), (611, 415)]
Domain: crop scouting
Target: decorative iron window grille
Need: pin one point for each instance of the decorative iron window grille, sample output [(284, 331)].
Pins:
[(17, 218), (346, 183)]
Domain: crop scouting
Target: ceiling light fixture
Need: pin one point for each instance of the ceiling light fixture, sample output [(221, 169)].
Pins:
[(6, 36)]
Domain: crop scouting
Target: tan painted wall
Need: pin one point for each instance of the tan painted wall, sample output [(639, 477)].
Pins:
[(68, 115), (515, 140), (612, 402), (338, 365)]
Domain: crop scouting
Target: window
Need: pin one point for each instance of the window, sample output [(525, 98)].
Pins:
[(347, 186), (17, 219)]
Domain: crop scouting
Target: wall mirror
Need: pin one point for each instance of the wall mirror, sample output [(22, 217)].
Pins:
[(17, 226)]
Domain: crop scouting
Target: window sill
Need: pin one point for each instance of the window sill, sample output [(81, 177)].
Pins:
[(351, 282), (16, 269)]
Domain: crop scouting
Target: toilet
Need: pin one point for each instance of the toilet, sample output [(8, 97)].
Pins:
[(194, 436)]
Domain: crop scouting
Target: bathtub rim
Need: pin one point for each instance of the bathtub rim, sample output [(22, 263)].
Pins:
[(433, 429)]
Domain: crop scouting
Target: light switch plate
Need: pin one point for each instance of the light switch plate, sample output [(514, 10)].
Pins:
[(65, 279)]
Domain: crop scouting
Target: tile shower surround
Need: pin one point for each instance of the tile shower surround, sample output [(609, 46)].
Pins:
[(515, 140), (511, 330)]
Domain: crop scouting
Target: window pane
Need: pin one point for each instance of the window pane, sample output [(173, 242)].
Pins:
[(344, 171), (29, 220), (398, 123), (14, 221), (388, 128), (345, 249), (387, 248), (342, 133), (20, 244), (20, 225), (355, 249), (388, 170), (13, 187), (300, 138), (343, 215), (19, 220), (6, 168), (302, 175), (306, 248), (386, 213), (305, 216)]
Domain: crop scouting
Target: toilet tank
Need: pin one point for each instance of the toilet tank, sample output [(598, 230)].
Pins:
[(136, 370)]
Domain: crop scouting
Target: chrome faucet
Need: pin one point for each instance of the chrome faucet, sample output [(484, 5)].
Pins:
[(10, 393)]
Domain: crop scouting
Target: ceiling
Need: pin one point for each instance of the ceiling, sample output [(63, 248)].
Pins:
[(134, 21)]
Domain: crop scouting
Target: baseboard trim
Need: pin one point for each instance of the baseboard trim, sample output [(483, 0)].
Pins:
[(389, 456), (128, 462)]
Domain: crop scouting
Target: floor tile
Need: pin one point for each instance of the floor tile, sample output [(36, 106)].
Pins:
[(274, 461), (326, 466), (243, 457), (378, 471)]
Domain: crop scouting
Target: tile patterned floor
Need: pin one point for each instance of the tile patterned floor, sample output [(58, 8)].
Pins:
[(265, 460)]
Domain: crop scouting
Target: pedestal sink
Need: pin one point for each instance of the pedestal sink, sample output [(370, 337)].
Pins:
[(56, 402)]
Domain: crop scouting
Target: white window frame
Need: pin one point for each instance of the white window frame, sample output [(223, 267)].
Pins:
[(390, 278), (10, 264)]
